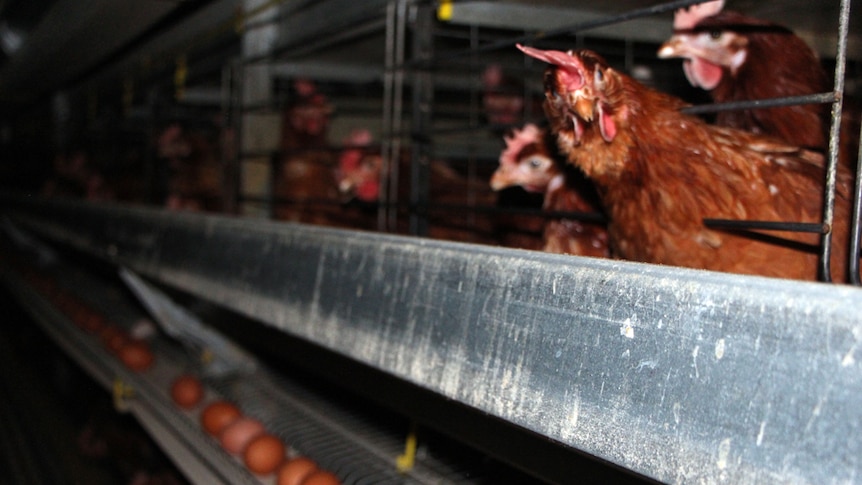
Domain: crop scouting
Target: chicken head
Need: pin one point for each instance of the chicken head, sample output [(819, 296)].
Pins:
[(525, 161), (584, 105), (359, 168), (710, 50)]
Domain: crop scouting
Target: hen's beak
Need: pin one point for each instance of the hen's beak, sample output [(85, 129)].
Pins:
[(672, 48), (585, 107), (500, 180), (346, 185), (686, 47)]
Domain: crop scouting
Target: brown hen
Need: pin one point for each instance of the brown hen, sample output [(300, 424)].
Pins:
[(529, 162), (660, 173), (740, 58), (451, 195)]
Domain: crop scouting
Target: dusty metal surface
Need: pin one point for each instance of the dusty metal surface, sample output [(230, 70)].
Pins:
[(684, 376)]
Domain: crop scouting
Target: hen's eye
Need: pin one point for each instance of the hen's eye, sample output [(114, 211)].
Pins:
[(534, 163), (599, 77)]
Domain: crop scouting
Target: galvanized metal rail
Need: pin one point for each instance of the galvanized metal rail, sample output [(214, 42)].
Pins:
[(684, 376)]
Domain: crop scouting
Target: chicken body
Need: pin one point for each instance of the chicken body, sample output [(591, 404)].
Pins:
[(195, 178), (503, 98), (306, 184), (660, 173), (361, 169), (740, 58), (530, 163)]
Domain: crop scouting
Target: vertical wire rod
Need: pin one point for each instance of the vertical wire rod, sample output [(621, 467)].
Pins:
[(855, 229), (401, 19), (387, 126), (834, 135)]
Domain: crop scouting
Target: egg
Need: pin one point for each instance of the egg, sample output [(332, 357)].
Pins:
[(113, 338), (87, 317), (187, 391), (136, 355), (264, 454), (93, 321), (294, 471), (236, 435), (321, 477), (218, 415)]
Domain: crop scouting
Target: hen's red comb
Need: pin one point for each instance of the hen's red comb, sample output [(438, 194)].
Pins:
[(687, 18), (350, 157), (517, 140)]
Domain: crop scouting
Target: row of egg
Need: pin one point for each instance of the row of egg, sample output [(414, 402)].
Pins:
[(262, 453)]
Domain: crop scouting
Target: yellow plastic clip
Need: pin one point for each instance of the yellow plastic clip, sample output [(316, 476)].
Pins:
[(181, 73), (207, 356), (405, 461), (444, 10), (122, 393)]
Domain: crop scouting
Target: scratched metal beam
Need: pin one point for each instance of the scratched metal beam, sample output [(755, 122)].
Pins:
[(680, 375)]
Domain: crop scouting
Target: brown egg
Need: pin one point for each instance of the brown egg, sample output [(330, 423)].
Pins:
[(321, 477), (218, 415), (136, 355), (92, 321), (86, 317), (264, 454), (70, 306), (235, 436), (187, 391), (113, 338), (294, 471)]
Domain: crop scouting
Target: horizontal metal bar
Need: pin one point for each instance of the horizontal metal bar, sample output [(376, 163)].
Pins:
[(595, 217), (684, 376), (765, 225), (324, 24), (820, 98)]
